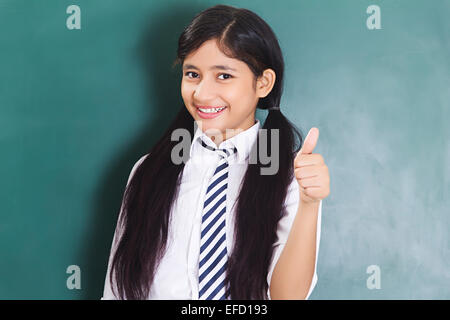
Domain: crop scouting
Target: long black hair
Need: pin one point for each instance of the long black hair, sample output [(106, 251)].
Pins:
[(243, 35)]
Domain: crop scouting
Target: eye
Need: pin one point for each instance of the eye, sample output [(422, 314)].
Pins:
[(226, 74), (187, 73)]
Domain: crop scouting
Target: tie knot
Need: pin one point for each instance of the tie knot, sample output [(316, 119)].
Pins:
[(223, 153)]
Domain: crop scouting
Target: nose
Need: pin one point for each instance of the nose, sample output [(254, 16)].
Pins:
[(205, 90)]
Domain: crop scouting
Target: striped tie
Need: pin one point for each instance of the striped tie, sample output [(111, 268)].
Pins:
[(213, 247)]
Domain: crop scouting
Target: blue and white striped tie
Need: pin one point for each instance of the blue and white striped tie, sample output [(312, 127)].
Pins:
[(213, 247)]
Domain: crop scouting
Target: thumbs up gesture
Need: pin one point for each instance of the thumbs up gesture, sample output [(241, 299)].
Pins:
[(310, 171)]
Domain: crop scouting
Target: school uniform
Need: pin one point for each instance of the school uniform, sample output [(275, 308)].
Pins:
[(177, 277)]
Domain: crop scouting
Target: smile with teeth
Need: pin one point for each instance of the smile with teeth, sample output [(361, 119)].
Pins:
[(211, 110)]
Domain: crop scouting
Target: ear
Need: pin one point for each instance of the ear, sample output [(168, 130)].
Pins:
[(265, 83)]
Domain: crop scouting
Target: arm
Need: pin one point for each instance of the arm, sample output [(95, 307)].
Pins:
[(294, 270), (107, 290)]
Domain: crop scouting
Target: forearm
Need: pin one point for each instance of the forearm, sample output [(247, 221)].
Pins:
[(293, 273)]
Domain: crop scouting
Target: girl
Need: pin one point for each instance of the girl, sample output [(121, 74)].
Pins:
[(217, 228)]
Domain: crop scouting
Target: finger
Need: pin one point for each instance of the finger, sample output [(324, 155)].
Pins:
[(314, 193), (310, 141), (306, 172), (308, 159), (301, 188), (305, 190), (306, 193), (310, 182)]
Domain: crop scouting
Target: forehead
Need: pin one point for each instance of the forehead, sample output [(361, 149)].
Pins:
[(209, 57)]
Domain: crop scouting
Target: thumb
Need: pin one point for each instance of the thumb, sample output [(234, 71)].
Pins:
[(310, 141)]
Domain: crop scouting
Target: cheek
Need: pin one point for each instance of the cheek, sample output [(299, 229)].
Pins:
[(240, 103), (186, 94), (234, 97)]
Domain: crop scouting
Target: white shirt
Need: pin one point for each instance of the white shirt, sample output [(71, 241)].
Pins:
[(177, 275)]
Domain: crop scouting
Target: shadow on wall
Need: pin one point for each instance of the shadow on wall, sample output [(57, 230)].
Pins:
[(156, 51)]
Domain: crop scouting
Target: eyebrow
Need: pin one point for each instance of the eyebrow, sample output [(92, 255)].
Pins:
[(220, 67)]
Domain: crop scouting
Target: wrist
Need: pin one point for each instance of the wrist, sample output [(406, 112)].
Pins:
[(309, 209), (310, 203)]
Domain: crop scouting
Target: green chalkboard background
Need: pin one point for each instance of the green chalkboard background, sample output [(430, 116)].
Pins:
[(79, 107)]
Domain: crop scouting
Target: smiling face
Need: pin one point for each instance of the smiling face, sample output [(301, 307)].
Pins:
[(220, 92)]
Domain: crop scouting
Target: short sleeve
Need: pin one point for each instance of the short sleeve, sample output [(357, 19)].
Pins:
[(284, 227), (107, 291)]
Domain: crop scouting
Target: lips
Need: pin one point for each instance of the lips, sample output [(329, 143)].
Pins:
[(210, 107), (209, 112)]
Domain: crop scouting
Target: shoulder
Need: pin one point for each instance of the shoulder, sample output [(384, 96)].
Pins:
[(135, 166), (138, 163)]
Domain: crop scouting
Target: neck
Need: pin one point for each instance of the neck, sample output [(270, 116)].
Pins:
[(218, 138)]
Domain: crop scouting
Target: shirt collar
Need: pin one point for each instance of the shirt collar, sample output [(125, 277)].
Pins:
[(243, 141)]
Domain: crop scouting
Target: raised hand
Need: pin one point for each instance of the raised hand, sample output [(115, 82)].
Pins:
[(311, 171)]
